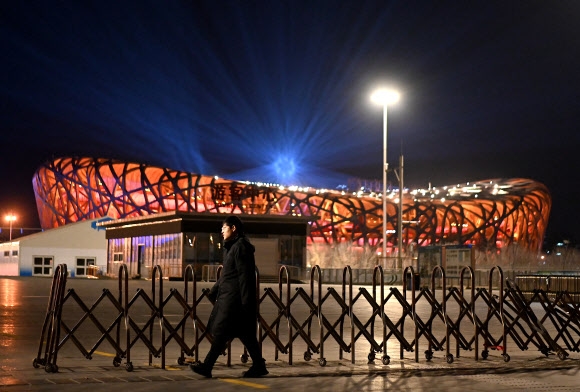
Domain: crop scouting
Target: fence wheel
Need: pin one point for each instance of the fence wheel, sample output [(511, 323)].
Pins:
[(51, 368), (386, 359), (562, 354)]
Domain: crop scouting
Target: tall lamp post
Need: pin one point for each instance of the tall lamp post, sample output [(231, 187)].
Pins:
[(10, 218), (384, 97)]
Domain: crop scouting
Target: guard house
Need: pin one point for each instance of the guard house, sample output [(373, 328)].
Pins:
[(452, 258), (174, 240)]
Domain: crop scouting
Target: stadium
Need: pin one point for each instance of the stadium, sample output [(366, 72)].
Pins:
[(489, 214)]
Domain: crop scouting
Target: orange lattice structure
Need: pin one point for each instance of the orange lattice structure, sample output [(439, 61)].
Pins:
[(491, 213)]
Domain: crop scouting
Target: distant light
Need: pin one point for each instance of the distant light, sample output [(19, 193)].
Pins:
[(385, 96)]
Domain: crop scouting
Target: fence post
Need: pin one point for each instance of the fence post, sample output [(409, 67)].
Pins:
[(52, 322), (502, 316), (284, 271), (124, 302), (448, 355), (313, 271), (471, 307), (157, 271), (378, 269), (348, 271), (412, 272), (187, 273)]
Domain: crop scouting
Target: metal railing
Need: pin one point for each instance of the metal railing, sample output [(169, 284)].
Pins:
[(551, 284), (449, 319)]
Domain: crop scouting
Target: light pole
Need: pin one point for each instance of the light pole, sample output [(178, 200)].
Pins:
[(10, 218), (384, 97)]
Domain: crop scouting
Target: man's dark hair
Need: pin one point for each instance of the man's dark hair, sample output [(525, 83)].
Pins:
[(233, 220)]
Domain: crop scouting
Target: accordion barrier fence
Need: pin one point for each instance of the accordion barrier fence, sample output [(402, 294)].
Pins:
[(453, 320)]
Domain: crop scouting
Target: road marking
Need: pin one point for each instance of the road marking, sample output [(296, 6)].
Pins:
[(166, 366), (244, 383), (104, 354)]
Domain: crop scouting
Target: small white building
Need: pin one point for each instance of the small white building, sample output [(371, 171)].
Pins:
[(81, 246)]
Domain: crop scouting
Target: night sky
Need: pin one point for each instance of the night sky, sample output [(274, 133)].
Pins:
[(278, 91)]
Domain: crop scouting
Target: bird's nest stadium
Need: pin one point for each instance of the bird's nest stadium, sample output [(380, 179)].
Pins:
[(485, 214)]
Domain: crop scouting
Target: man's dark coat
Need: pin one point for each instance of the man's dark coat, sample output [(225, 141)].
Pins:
[(234, 313)]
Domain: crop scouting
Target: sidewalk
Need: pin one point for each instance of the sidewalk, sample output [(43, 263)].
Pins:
[(100, 370)]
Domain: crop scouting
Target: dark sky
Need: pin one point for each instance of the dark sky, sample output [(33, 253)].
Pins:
[(278, 91)]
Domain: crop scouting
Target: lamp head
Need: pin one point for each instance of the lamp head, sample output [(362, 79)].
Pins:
[(385, 96)]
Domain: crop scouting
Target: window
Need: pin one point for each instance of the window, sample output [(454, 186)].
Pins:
[(118, 257), (82, 265), (6, 253), (42, 266), (14, 253)]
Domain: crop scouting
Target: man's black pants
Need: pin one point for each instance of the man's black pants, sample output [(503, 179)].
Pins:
[(219, 345)]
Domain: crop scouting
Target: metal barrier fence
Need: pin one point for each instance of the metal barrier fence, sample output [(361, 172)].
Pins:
[(438, 317), (552, 285)]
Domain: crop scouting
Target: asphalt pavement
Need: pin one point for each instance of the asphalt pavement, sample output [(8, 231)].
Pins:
[(23, 305)]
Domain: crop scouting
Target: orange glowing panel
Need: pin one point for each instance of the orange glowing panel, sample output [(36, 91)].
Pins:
[(74, 189)]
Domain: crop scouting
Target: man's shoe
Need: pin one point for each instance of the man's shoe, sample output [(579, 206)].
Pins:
[(201, 369), (256, 370)]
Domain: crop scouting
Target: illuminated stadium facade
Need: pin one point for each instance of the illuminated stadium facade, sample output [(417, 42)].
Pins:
[(485, 214)]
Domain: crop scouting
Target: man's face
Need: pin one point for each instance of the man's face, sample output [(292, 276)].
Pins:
[(228, 232)]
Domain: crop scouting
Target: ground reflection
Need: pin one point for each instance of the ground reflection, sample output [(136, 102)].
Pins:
[(10, 297)]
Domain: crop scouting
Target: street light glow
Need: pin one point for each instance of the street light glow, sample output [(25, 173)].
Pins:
[(385, 96), (10, 218)]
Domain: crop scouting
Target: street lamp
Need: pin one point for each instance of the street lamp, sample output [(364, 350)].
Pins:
[(10, 218), (385, 97)]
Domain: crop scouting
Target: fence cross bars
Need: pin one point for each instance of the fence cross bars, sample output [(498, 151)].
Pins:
[(157, 330)]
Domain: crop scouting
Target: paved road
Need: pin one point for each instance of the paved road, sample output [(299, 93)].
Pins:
[(23, 305)]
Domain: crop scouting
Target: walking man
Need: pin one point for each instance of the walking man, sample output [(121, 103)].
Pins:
[(234, 314)]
